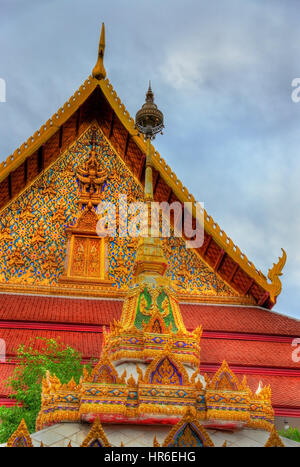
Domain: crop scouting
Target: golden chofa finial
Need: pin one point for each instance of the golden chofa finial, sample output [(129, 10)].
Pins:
[(99, 71), (274, 273)]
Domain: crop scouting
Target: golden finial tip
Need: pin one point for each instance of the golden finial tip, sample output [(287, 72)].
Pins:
[(99, 71), (102, 36)]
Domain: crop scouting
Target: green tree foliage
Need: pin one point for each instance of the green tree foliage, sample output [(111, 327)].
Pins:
[(291, 433), (32, 362)]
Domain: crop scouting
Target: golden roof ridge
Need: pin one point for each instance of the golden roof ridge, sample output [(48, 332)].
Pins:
[(48, 128)]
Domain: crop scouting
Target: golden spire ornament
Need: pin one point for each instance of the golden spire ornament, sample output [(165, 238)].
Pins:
[(99, 71), (149, 121), (150, 260)]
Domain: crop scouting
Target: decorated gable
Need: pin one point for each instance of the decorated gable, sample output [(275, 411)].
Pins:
[(44, 241)]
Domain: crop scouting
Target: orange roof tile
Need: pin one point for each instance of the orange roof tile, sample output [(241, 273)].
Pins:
[(238, 319), (5, 371), (88, 344), (247, 353), (99, 312), (58, 309)]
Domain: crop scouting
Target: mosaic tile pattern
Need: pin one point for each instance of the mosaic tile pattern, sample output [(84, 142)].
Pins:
[(32, 228)]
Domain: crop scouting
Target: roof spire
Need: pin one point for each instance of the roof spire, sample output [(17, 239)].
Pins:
[(99, 70), (149, 95)]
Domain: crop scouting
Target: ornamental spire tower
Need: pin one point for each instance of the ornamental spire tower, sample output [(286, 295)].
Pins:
[(150, 307), (149, 121), (150, 261)]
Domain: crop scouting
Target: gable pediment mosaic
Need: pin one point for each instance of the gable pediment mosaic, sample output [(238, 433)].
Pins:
[(35, 228)]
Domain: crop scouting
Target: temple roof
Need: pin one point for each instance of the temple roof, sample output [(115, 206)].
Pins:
[(95, 312), (97, 99)]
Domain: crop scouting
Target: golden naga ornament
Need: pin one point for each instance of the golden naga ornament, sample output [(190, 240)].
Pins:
[(144, 307), (165, 306), (274, 273)]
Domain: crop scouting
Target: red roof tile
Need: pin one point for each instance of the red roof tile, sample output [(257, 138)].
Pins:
[(87, 343), (235, 352), (238, 319), (216, 318), (5, 371), (58, 309)]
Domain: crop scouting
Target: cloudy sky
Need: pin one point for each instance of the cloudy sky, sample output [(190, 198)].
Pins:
[(221, 72)]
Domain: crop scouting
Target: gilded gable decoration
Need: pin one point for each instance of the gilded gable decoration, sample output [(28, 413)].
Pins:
[(166, 373), (226, 397), (21, 437), (86, 247), (224, 379), (274, 440), (167, 370), (104, 372), (46, 211), (96, 437), (156, 325), (91, 176), (188, 432)]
